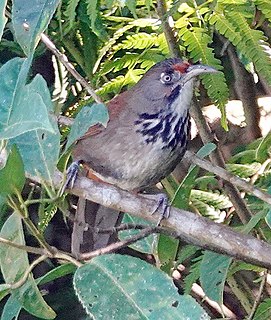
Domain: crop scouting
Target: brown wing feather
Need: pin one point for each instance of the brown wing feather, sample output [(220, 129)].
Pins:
[(115, 106)]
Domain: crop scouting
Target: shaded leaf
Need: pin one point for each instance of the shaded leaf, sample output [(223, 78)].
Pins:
[(167, 250), (11, 309), (56, 273), (3, 19), (12, 176), (30, 18), (213, 272), (138, 288), (14, 263), (39, 148), (22, 108)]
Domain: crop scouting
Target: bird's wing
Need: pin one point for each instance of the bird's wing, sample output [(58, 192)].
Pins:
[(115, 106)]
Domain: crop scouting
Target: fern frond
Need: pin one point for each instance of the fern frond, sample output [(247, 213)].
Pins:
[(218, 201), (109, 44), (70, 14), (264, 6), (194, 274), (225, 27), (244, 170), (129, 61), (197, 41), (93, 11), (146, 59), (253, 45), (140, 40), (115, 85)]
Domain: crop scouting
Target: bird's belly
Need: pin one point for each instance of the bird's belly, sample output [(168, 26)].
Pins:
[(136, 170)]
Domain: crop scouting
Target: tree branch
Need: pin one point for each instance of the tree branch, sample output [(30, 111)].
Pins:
[(118, 245), (181, 224), (64, 60), (227, 176)]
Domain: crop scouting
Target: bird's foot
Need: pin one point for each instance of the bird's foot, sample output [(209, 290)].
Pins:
[(71, 175), (162, 204)]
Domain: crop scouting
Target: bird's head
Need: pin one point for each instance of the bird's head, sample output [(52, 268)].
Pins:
[(171, 76)]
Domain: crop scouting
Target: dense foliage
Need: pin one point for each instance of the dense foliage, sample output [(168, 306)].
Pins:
[(112, 43)]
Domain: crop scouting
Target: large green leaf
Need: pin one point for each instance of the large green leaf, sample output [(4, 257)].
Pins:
[(12, 177), (22, 107), (213, 272), (3, 18), (40, 151), (14, 263), (39, 148), (87, 117), (123, 287), (30, 18)]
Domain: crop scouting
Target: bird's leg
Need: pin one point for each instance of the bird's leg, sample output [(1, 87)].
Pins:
[(71, 175), (162, 203)]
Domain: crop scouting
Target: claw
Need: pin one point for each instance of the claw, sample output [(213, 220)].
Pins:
[(71, 176), (162, 203)]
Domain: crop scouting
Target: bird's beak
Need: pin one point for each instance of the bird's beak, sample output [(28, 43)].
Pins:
[(194, 71)]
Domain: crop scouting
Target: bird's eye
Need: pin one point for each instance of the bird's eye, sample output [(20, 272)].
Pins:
[(165, 78)]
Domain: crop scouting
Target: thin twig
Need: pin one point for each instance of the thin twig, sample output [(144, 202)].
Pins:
[(117, 245), (24, 278), (227, 176), (55, 254), (169, 34), (64, 60), (259, 295), (34, 250)]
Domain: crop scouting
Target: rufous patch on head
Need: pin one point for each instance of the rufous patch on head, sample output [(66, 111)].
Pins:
[(181, 67)]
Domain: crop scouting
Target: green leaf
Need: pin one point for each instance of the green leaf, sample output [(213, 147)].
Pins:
[(182, 195), (131, 5), (268, 218), (213, 272), (87, 117), (4, 290), (12, 178), (3, 19), (140, 291), (70, 14), (244, 170), (263, 311), (39, 148), (242, 266), (186, 252), (14, 263), (15, 97), (11, 309), (146, 245), (197, 42), (30, 18), (96, 24), (256, 218), (56, 273), (264, 148), (167, 250), (194, 274)]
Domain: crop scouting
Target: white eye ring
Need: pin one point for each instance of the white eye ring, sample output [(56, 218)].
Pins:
[(165, 78)]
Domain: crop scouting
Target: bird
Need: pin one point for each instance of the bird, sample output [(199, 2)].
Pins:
[(147, 132)]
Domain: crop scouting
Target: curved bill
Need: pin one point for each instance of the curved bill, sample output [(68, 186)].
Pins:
[(195, 70)]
